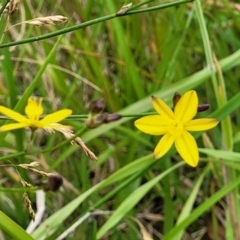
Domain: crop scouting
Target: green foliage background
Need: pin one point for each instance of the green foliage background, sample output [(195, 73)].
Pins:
[(179, 46)]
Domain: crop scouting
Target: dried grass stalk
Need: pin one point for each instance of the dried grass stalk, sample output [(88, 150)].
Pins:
[(68, 133), (28, 165), (86, 150), (40, 21), (12, 7), (24, 183), (28, 205), (31, 167), (43, 21)]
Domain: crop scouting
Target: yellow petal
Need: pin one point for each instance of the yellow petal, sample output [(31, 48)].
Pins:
[(162, 108), (163, 146), (13, 126), (55, 117), (155, 124), (34, 109), (13, 115), (186, 107), (187, 148), (201, 124)]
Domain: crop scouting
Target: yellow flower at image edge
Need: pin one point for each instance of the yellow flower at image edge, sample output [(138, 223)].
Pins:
[(33, 111), (175, 126)]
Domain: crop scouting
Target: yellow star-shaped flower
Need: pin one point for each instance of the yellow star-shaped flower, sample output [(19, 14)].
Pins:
[(175, 126), (33, 111)]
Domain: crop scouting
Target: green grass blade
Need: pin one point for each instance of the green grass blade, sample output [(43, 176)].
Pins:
[(186, 211), (132, 200), (203, 208), (224, 155), (54, 221), (13, 229)]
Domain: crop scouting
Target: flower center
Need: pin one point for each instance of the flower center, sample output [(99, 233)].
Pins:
[(175, 128), (34, 109)]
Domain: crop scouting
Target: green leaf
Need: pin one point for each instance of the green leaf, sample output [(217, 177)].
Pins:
[(200, 210), (53, 222), (132, 200), (13, 229), (186, 210), (226, 155)]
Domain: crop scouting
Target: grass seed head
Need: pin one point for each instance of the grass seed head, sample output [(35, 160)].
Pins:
[(28, 205), (40, 21)]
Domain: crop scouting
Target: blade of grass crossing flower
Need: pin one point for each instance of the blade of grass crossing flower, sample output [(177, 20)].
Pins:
[(132, 200), (200, 210), (190, 82), (220, 113)]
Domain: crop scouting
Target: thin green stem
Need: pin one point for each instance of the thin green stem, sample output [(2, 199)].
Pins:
[(3, 24), (11, 156), (91, 22), (21, 190), (85, 116)]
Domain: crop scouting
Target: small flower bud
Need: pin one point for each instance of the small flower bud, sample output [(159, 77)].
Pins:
[(97, 117), (112, 117), (97, 106), (176, 98), (94, 121), (54, 183), (203, 107)]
